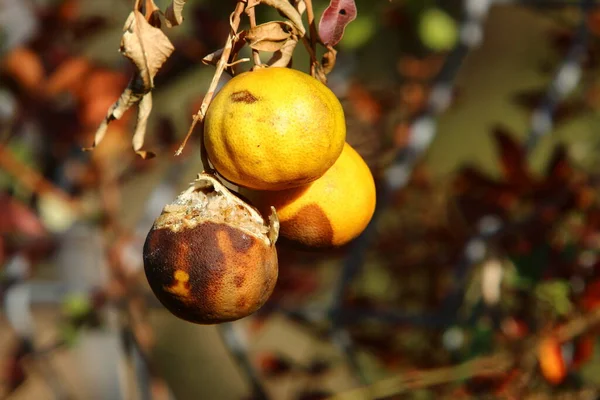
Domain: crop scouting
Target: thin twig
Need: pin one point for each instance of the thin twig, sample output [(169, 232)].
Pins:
[(310, 14), (486, 366), (252, 17), (311, 45), (494, 365), (32, 179), (240, 353), (221, 65)]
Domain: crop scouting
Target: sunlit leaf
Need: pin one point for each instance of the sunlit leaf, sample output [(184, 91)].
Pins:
[(270, 36)]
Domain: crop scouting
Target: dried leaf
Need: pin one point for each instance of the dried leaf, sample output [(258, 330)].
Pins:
[(150, 11), (130, 96), (283, 56), (213, 58), (288, 11), (328, 60), (270, 36), (148, 48), (174, 13), (334, 20), (144, 109)]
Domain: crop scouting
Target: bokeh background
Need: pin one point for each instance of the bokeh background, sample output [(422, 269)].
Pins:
[(478, 277)]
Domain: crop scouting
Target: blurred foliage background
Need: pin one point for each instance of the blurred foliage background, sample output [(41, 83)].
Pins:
[(479, 276)]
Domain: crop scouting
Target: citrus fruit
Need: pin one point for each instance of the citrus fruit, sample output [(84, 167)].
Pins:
[(210, 257), (274, 128), (328, 212)]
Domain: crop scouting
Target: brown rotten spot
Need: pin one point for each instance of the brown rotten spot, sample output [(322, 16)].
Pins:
[(210, 257), (243, 96)]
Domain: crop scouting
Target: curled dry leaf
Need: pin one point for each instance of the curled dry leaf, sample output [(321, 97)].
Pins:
[(283, 56), (287, 10), (270, 36), (174, 13), (328, 60), (334, 20), (148, 48)]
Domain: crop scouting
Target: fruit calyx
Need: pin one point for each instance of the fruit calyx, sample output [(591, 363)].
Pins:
[(207, 199)]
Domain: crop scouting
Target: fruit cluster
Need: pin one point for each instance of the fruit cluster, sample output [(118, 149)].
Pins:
[(280, 135)]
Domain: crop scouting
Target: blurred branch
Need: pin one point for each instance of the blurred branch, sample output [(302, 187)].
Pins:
[(32, 179), (564, 82), (238, 350), (494, 365)]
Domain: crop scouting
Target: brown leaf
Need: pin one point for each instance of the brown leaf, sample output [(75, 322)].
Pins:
[(559, 168), (283, 56), (512, 158), (334, 20), (288, 11), (270, 36), (151, 12), (148, 48), (174, 13), (328, 60)]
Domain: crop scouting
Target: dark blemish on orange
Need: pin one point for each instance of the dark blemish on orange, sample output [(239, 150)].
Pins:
[(243, 96), (241, 303), (310, 226), (241, 242), (195, 251), (239, 280)]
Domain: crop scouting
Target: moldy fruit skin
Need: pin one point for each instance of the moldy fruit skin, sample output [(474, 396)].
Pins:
[(274, 128), (210, 257)]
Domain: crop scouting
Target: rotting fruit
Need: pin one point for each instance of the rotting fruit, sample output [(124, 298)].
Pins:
[(273, 129), (210, 257), (328, 212)]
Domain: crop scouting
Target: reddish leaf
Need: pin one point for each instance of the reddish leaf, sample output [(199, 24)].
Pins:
[(334, 20), (584, 349), (559, 168), (512, 158)]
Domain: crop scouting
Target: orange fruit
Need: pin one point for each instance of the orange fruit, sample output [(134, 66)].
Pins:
[(328, 212), (210, 257), (273, 129)]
